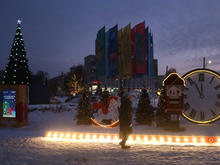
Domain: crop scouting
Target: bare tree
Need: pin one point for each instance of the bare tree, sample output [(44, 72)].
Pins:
[(40, 77), (75, 84)]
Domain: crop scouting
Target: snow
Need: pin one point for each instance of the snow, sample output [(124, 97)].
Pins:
[(28, 145)]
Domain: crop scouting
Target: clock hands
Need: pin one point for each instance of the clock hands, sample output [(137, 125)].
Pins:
[(200, 92), (197, 88)]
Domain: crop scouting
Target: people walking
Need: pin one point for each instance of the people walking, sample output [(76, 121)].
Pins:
[(125, 118)]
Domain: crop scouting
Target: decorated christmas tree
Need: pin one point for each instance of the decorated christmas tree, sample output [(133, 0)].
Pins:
[(105, 97), (161, 116), (144, 114), (17, 70), (84, 109)]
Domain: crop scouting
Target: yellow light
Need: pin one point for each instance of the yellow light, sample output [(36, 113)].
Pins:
[(145, 138), (94, 137), (161, 139), (177, 139), (55, 135), (87, 136), (74, 136), (61, 135), (154, 139), (142, 138), (194, 140), (185, 139), (101, 137), (169, 139), (49, 135)]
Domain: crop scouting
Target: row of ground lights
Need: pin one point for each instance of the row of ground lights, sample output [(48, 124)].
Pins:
[(140, 138)]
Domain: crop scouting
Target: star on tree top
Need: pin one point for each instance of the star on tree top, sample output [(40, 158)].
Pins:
[(19, 21)]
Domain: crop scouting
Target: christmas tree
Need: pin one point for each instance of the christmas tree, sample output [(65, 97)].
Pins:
[(17, 70), (84, 109), (144, 114), (105, 97), (161, 116)]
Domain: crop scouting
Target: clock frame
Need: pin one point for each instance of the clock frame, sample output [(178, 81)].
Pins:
[(201, 96)]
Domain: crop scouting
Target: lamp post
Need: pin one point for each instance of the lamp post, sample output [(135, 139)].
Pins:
[(205, 63)]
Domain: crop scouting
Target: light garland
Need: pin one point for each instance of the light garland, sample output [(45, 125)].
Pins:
[(135, 138)]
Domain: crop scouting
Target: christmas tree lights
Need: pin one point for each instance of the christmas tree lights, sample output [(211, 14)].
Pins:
[(17, 70)]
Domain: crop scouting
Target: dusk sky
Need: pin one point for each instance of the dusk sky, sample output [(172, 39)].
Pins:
[(59, 34)]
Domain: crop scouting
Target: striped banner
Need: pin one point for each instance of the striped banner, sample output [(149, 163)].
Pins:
[(100, 52)]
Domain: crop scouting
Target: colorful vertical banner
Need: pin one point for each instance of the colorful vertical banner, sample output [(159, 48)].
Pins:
[(120, 57), (126, 52), (151, 56), (140, 48), (147, 50), (100, 52), (113, 51), (133, 51), (106, 54)]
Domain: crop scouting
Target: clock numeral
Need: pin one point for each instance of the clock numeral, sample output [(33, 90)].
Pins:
[(202, 115), (193, 113), (185, 96), (214, 114), (190, 81), (211, 80), (218, 96), (186, 106), (217, 104), (186, 89), (218, 86), (201, 77)]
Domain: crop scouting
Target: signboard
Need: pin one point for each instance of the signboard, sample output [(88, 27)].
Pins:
[(13, 105)]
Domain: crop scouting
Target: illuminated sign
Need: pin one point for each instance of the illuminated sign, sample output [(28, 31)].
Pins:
[(9, 102)]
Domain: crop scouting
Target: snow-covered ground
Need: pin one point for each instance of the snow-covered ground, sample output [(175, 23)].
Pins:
[(28, 145)]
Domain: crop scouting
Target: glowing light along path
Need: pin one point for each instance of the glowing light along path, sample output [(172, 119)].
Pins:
[(154, 139), (105, 126)]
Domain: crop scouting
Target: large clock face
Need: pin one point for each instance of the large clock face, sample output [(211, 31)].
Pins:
[(202, 96)]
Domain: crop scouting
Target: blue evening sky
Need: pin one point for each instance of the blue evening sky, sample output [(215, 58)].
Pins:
[(60, 33)]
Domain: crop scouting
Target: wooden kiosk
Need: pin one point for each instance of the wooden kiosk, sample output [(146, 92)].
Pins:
[(13, 105)]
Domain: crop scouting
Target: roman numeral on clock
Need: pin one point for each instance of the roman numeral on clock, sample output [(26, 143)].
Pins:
[(190, 81), (218, 86), (186, 106), (202, 115), (213, 113), (201, 77), (193, 113), (217, 104), (186, 89), (211, 80)]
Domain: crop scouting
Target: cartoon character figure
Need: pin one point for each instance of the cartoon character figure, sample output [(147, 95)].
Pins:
[(107, 113), (10, 111)]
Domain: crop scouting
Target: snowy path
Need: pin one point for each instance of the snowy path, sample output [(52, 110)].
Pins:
[(38, 150), (28, 145)]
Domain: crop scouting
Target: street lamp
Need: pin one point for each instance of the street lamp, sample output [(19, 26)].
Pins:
[(205, 63)]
